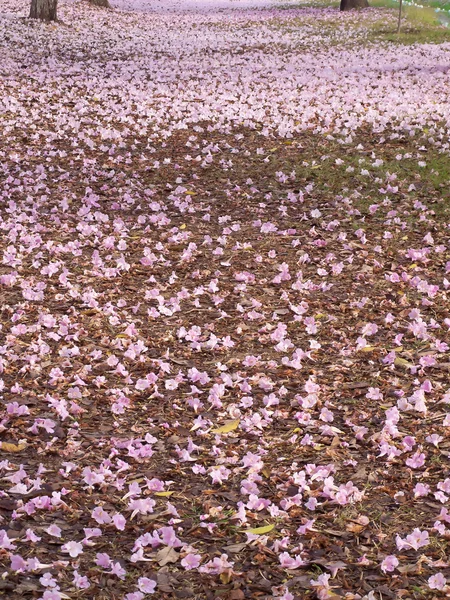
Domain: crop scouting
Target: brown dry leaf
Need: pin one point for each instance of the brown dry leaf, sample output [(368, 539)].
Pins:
[(303, 581), (401, 593), (335, 532), (166, 555), (236, 595), (332, 566), (164, 582), (358, 524), (354, 527), (234, 548), (410, 568), (356, 385), (7, 447), (361, 474)]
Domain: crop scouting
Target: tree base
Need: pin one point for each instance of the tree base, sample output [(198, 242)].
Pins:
[(44, 10), (351, 4), (100, 3)]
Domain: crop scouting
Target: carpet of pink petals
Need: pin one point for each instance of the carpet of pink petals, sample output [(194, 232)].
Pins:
[(217, 379)]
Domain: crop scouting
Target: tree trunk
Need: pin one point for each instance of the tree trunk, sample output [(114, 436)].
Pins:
[(349, 4), (102, 3), (43, 9)]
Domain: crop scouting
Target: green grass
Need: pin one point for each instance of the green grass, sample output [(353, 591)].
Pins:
[(432, 181), (414, 14), (410, 35), (419, 26)]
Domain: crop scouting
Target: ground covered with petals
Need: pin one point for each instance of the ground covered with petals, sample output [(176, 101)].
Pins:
[(224, 318)]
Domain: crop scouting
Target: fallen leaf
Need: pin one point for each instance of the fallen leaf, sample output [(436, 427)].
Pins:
[(166, 555), (336, 533), (401, 362), (354, 527), (303, 581), (409, 568), (332, 566), (260, 530), (236, 595), (229, 426), (356, 386), (225, 577), (7, 447), (164, 582), (234, 548)]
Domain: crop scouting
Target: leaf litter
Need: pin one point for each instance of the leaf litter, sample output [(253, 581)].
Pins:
[(224, 323)]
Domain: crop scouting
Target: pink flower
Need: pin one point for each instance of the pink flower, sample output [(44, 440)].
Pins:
[(369, 329), (374, 394), (421, 489), (31, 536), (434, 439), (416, 461), (91, 532), (119, 521), (191, 561), (286, 596), (389, 563), (168, 537), (51, 595), (217, 565), (47, 580), (218, 474), (417, 539), (103, 560), (117, 569), (17, 563), (326, 415), (101, 516), (287, 562), (437, 582), (54, 530), (80, 581), (322, 586), (155, 485), (142, 506), (5, 542), (146, 585), (73, 548)]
